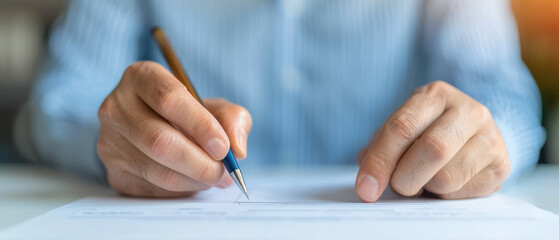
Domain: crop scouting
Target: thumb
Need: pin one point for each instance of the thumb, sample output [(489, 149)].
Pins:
[(235, 120)]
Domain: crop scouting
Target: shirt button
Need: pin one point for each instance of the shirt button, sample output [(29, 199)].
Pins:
[(291, 79)]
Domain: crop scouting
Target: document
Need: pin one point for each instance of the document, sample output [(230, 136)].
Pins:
[(300, 204)]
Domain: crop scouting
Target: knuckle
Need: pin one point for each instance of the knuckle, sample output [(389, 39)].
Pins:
[(208, 174), (437, 86), (230, 109), (139, 167), (234, 111), (106, 109), (444, 182), (202, 124), (489, 141), (379, 162), (502, 169), (168, 99), (224, 112), (160, 143), (436, 91), (405, 126), (481, 112), (492, 141), (468, 167), (242, 112), (435, 147), (104, 148), (171, 179), (134, 69), (239, 110)]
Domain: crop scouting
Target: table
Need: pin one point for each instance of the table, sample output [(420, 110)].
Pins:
[(540, 188), (29, 190)]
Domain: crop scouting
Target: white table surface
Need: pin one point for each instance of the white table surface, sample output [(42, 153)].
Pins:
[(30, 190)]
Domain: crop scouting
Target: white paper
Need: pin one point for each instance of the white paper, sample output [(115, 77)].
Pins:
[(291, 206)]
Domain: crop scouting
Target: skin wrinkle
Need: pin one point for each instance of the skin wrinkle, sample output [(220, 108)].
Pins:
[(461, 115), (184, 155), (468, 167), (204, 171), (444, 170), (399, 135), (172, 142), (459, 135), (419, 166), (437, 146), (171, 178), (166, 101), (153, 143), (380, 163), (108, 147), (117, 115), (137, 166)]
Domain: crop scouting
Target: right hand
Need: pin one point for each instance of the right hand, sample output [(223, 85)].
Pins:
[(156, 140)]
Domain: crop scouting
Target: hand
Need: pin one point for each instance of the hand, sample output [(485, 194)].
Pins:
[(440, 140), (156, 140)]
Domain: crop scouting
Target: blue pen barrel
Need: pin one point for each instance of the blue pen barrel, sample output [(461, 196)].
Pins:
[(230, 162)]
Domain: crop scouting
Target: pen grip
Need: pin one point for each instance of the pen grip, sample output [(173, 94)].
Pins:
[(230, 162)]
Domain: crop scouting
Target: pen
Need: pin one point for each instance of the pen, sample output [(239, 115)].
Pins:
[(229, 161)]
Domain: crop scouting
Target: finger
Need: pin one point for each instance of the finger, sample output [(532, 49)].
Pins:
[(419, 193), (400, 130), (159, 89), (475, 156), (363, 152), (225, 181), (434, 149), (488, 181), (137, 163), (163, 143), (236, 122), (132, 185)]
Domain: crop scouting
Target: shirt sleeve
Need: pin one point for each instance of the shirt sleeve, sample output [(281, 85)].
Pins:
[(473, 44), (89, 49)]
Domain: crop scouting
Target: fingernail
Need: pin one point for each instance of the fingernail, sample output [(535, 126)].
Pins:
[(217, 148), (367, 188), (241, 139)]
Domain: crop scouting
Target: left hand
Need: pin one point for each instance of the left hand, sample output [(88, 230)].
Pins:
[(440, 140)]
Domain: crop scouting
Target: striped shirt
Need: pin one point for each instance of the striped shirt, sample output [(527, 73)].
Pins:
[(318, 76)]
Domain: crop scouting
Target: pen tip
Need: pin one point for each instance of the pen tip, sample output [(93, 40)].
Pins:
[(238, 178)]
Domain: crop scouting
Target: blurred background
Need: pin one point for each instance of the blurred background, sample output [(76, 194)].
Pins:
[(24, 26)]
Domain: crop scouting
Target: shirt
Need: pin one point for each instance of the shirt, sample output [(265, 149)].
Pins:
[(319, 77)]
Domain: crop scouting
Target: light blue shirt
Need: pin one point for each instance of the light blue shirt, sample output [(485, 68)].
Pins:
[(318, 76)]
